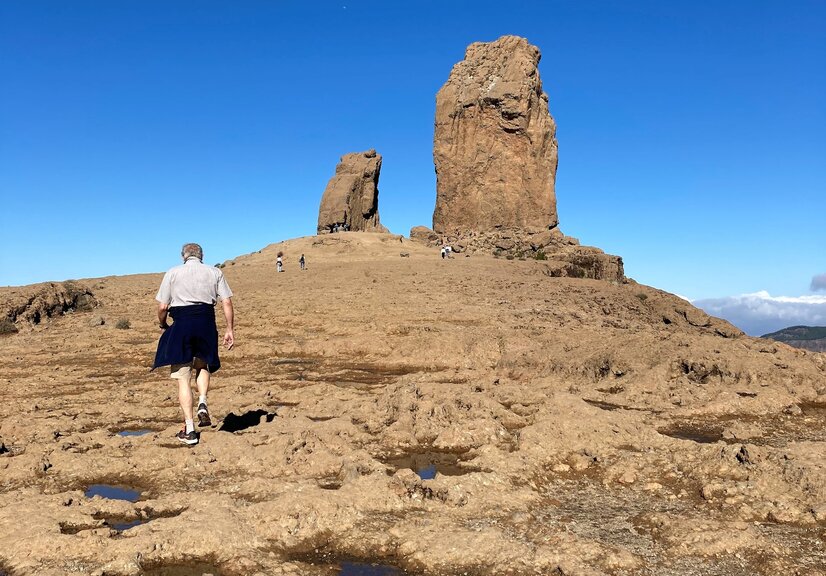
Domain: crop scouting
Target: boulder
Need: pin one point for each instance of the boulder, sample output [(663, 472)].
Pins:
[(424, 235), (351, 199), (494, 146)]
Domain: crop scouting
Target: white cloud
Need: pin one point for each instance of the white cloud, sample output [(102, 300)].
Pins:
[(761, 313), (818, 283)]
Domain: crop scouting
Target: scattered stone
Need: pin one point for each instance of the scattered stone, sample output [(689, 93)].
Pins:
[(97, 321), (743, 456), (627, 477), (793, 410)]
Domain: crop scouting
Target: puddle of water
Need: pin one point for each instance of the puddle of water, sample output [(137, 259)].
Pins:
[(361, 569), (191, 569), (427, 464), (330, 564), (121, 526), (112, 492), (137, 432)]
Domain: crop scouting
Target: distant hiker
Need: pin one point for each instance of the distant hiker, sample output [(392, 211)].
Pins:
[(301, 262), (449, 251), (279, 263), (188, 294), (443, 252)]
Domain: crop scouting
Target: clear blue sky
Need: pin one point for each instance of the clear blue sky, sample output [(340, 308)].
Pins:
[(692, 135)]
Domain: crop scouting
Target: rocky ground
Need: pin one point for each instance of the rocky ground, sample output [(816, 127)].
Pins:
[(466, 416)]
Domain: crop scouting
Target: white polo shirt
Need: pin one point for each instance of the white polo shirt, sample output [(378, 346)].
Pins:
[(193, 283)]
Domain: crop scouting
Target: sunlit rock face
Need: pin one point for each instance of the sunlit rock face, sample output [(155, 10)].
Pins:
[(495, 146)]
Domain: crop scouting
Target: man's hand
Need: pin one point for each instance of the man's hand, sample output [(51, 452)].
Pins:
[(163, 311), (229, 339)]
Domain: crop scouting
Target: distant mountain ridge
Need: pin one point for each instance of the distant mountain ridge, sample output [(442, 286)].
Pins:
[(807, 337)]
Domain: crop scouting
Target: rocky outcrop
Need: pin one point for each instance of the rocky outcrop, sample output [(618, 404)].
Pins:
[(494, 146), (563, 255), (424, 235), (351, 199), (37, 302)]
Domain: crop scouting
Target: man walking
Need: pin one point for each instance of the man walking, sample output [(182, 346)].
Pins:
[(188, 294)]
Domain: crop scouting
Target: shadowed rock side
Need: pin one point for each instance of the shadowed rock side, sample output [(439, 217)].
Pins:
[(351, 199), (494, 146)]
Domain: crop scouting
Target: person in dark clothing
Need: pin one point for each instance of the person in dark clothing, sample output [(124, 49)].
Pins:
[(188, 294), (301, 262)]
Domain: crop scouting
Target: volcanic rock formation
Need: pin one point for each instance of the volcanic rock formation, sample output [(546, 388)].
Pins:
[(494, 146), (351, 199)]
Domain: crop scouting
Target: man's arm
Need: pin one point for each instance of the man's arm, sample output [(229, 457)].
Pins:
[(163, 311), (229, 314)]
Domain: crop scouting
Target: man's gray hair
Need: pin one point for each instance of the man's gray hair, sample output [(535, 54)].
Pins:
[(192, 250)]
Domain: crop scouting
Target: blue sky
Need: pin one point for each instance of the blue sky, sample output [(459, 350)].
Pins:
[(692, 136)]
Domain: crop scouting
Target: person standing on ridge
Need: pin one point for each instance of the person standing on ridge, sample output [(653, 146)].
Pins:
[(301, 262), (279, 263), (188, 294)]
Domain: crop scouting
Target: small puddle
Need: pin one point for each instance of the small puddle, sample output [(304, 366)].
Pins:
[(361, 569), (190, 569), (427, 464), (136, 432), (329, 564), (121, 526), (113, 492)]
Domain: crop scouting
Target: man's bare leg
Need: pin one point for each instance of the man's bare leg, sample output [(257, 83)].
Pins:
[(202, 382), (185, 398)]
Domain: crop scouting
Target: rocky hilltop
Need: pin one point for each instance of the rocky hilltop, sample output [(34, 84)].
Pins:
[(807, 337), (351, 199), (494, 144), (443, 417)]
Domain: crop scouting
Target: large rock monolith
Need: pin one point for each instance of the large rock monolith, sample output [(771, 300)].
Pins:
[(494, 145), (351, 199)]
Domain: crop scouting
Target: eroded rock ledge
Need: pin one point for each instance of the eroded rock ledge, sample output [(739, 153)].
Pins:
[(32, 304)]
